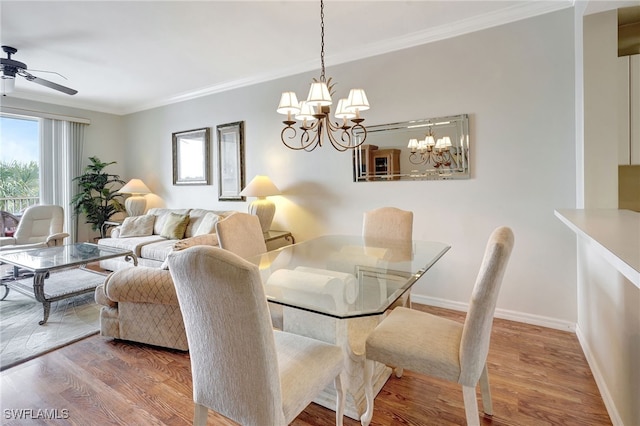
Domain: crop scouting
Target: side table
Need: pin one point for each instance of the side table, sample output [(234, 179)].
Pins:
[(276, 239)]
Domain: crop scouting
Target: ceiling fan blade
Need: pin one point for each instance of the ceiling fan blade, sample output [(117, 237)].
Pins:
[(50, 84)]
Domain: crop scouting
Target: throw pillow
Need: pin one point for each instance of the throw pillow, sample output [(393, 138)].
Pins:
[(137, 226), (208, 224), (175, 226)]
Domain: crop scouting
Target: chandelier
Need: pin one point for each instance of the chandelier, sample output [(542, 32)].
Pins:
[(314, 113), (431, 151)]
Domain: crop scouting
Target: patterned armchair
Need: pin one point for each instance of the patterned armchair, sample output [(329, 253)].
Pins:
[(140, 304)]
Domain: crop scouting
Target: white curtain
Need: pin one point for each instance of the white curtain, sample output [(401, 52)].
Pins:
[(61, 161)]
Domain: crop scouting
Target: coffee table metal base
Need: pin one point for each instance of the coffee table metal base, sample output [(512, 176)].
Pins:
[(69, 289)]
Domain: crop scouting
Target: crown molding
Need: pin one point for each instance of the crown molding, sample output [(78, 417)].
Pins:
[(465, 26), (430, 35)]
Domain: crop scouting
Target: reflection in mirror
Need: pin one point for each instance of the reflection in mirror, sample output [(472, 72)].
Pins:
[(429, 149)]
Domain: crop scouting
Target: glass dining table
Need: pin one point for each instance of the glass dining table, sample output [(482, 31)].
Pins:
[(337, 288)]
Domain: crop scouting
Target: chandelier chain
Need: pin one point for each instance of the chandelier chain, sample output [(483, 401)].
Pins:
[(322, 75)]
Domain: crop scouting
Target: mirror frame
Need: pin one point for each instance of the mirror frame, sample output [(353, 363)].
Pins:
[(454, 165)]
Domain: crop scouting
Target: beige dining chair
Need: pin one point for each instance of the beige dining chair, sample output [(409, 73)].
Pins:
[(443, 348), (241, 367), (241, 234), (389, 223), (40, 226)]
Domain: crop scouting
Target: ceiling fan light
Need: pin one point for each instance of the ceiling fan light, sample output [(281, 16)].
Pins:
[(319, 94), (8, 84)]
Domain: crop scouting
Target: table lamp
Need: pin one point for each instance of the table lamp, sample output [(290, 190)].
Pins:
[(261, 187), (136, 203)]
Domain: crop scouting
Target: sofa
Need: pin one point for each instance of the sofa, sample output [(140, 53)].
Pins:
[(151, 237)]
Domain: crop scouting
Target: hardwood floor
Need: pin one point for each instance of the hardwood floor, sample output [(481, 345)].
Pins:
[(538, 376)]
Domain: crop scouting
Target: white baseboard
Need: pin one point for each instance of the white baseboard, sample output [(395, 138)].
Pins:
[(500, 313), (599, 378)]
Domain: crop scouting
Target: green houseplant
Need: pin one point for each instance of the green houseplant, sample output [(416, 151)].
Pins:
[(98, 198)]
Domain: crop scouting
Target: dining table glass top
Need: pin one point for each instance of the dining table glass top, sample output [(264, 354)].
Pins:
[(345, 276)]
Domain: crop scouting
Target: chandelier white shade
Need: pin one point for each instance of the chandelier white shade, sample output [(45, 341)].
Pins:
[(136, 203), (262, 187), (314, 112)]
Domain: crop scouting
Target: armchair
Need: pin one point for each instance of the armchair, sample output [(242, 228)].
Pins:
[(40, 226)]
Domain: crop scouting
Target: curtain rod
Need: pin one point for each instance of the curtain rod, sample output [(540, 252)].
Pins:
[(42, 114)]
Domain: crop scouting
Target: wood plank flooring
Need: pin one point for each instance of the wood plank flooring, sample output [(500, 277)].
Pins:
[(538, 376)]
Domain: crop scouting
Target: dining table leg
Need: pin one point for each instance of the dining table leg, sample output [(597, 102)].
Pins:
[(350, 335)]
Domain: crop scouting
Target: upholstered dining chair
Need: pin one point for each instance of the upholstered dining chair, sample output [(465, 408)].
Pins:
[(389, 223), (40, 226), (443, 348), (241, 367), (241, 234)]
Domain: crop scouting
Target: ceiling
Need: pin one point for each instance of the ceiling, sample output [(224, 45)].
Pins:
[(128, 56)]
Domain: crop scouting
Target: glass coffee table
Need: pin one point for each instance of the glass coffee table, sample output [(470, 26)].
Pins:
[(59, 261)]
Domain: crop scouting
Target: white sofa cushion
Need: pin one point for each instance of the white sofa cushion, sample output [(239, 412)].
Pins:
[(137, 226), (135, 244), (208, 224), (158, 250)]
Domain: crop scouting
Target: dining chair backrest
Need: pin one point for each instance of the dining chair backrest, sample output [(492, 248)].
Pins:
[(476, 334), (231, 343), (241, 367), (39, 222), (241, 234), (389, 223)]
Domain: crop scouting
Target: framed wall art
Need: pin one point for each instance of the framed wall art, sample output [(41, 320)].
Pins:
[(231, 161), (191, 157)]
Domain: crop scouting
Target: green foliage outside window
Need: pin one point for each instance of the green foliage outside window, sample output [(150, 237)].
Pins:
[(18, 180)]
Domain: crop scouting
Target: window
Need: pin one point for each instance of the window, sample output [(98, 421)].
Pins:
[(19, 163)]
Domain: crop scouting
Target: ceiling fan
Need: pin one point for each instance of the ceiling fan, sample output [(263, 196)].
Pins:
[(10, 68)]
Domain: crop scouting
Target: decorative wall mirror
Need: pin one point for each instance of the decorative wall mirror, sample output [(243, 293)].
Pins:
[(428, 149)]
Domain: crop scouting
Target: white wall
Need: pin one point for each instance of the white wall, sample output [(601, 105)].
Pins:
[(517, 84)]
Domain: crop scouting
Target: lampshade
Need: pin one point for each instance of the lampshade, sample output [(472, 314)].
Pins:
[(357, 100), (306, 111), (342, 111), (136, 203), (135, 186), (289, 103), (413, 144), (260, 186), (319, 94)]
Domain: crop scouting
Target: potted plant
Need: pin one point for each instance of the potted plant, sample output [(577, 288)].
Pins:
[(98, 198)]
